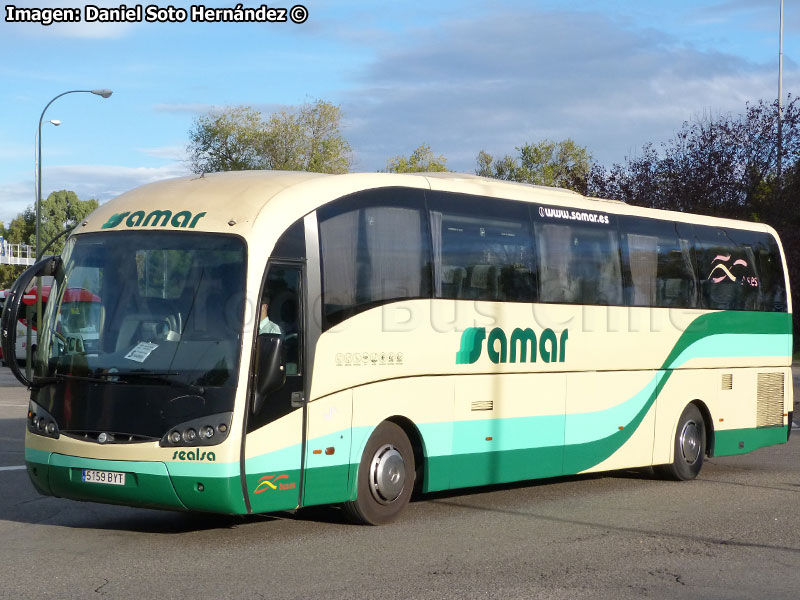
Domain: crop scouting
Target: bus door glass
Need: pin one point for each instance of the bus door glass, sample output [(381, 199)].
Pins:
[(273, 448)]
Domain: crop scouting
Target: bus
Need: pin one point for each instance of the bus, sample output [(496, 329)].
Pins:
[(22, 341), (2, 303), (265, 341), (20, 352)]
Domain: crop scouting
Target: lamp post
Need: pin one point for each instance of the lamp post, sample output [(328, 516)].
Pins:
[(780, 96), (103, 93)]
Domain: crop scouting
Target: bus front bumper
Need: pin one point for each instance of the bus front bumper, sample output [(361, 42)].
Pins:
[(147, 484)]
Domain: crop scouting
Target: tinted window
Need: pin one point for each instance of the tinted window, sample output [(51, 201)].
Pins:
[(772, 284), (482, 248), (657, 263), (727, 269), (375, 248), (740, 270), (578, 257), (292, 243)]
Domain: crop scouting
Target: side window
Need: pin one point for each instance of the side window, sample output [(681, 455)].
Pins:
[(292, 243), (657, 263), (578, 262), (279, 312), (772, 284), (375, 248), (727, 269), (482, 249)]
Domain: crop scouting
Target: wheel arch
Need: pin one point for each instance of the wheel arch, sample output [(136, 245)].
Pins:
[(709, 424), (417, 444)]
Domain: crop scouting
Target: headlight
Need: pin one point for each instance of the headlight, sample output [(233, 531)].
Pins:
[(205, 431)]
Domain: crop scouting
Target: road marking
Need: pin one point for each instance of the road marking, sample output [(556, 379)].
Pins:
[(14, 468)]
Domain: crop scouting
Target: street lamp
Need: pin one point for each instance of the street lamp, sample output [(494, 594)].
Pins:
[(103, 93), (780, 96)]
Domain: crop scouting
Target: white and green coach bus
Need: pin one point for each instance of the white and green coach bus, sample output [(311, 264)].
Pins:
[(263, 341)]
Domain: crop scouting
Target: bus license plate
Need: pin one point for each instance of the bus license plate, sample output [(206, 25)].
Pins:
[(110, 477)]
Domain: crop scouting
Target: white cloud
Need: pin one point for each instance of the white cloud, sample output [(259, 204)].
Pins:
[(190, 108), (508, 79), (15, 197), (105, 182), (88, 181), (177, 153), (203, 109)]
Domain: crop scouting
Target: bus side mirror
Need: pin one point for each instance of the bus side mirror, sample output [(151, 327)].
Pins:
[(11, 311), (270, 368)]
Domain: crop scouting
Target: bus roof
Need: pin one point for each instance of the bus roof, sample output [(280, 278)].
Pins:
[(233, 202)]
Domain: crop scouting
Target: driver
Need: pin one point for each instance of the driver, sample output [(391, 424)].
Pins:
[(265, 325)]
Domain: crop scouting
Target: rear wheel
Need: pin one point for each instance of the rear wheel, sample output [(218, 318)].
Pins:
[(689, 447), (385, 477)]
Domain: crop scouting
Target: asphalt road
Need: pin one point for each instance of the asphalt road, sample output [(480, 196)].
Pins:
[(732, 533)]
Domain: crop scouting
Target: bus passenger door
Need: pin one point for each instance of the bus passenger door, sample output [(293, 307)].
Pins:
[(274, 441)]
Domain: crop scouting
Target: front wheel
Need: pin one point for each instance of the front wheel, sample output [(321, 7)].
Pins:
[(385, 477), (689, 447)]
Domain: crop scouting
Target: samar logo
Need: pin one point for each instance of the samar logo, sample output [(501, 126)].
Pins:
[(272, 482), (156, 218), (551, 348), (720, 271)]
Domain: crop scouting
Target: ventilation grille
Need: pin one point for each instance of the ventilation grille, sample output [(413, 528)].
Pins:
[(770, 399), (727, 381), (483, 405)]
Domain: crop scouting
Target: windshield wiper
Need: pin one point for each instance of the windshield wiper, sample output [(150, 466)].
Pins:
[(156, 376), (107, 377), (56, 377)]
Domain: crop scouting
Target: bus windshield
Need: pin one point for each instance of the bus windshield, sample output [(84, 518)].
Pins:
[(155, 309)]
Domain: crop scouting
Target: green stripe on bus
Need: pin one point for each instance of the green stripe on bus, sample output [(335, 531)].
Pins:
[(732, 322), (740, 441), (742, 332)]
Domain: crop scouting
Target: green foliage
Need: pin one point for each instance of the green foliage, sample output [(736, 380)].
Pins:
[(719, 165), (422, 160), (723, 166), (59, 211), (560, 164), (238, 139)]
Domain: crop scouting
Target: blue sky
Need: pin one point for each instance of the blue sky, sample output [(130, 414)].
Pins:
[(459, 76)]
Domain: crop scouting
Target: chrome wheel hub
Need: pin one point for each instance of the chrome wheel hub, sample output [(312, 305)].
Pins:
[(690, 442), (387, 474)]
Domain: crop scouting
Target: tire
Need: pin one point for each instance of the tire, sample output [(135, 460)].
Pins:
[(386, 477), (689, 448)]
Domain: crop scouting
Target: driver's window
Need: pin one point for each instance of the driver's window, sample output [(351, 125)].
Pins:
[(279, 312)]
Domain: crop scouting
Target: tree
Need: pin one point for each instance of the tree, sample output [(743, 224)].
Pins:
[(560, 164), (238, 139), (717, 165), (723, 166), (16, 233), (61, 210), (421, 160)]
